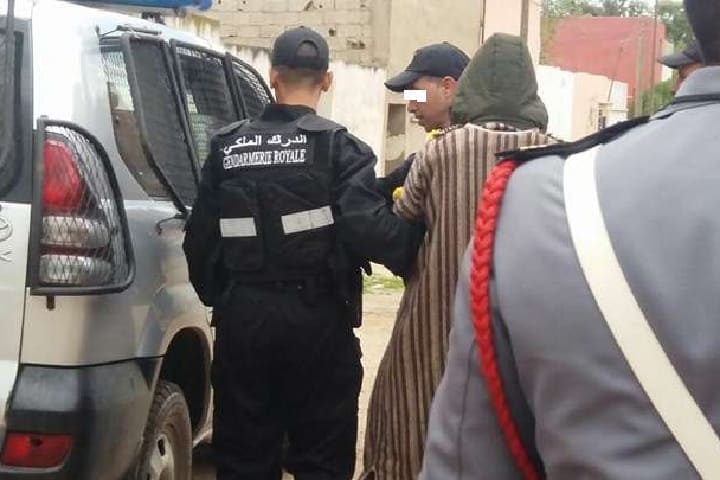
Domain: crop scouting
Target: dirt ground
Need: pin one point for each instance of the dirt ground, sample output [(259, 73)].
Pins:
[(380, 306)]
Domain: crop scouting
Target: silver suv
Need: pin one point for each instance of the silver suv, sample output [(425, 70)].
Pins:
[(105, 349)]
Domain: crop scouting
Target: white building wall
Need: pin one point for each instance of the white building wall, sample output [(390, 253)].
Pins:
[(358, 101), (574, 101), (557, 90), (197, 24)]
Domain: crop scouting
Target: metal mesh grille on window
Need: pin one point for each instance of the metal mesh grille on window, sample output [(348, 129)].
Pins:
[(252, 89), (127, 132), (116, 74), (165, 133), (208, 96), (3, 91), (82, 240)]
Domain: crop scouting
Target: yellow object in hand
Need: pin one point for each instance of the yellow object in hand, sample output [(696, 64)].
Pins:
[(397, 193), (434, 133)]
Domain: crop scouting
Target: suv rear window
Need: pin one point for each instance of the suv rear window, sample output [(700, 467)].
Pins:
[(160, 114), (208, 97), (3, 89), (127, 132), (252, 88)]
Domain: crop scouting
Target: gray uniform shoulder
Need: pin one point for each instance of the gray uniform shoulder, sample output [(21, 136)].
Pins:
[(564, 150)]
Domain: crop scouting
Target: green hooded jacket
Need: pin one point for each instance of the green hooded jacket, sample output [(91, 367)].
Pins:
[(499, 85)]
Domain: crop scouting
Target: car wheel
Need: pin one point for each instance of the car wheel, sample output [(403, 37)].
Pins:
[(166, 453)]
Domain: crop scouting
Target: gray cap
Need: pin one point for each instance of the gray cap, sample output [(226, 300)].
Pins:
[(679, 59)]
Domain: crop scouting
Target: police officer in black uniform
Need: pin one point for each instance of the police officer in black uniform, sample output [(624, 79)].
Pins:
[(286, 215)]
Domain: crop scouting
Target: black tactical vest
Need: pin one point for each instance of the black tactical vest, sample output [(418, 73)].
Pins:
[(276, 216)]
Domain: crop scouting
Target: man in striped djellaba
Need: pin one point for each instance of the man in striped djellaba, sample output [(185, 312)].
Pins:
[(496, 108)]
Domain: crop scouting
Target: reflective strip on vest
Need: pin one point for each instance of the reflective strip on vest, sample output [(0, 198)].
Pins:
[(307, 220), (238, 227)]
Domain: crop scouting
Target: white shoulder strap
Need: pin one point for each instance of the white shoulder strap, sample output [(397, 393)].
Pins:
[(626, 321)]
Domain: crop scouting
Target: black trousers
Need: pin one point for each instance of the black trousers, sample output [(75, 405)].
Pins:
[(286, 366)]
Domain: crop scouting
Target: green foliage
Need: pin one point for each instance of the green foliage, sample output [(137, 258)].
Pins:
[(379, 283), (596, 8), (672, 14), (654, 99)]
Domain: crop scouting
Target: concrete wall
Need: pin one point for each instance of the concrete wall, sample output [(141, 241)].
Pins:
[(417, 23), (346, 24), (380, 33), (590, 91), (505, 16), (356, 95), (557, 89), (199, 24), (574, 101), (413, 24)]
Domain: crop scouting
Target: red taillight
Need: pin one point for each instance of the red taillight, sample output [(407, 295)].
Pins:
[(31, 450), (63, 187)]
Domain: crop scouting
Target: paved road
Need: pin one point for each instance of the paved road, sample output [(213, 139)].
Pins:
[(378, 318)]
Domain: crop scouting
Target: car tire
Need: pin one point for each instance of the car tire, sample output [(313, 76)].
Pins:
[(166, 452)]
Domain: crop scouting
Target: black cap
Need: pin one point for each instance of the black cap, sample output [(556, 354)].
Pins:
[(679, 59), (301, 47), (704, 16), (439, 60)]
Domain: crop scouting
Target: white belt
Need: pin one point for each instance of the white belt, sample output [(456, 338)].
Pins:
[(628, 324), (307, 220)]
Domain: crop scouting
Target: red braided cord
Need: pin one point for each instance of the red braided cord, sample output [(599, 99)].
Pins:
[(488, 213)]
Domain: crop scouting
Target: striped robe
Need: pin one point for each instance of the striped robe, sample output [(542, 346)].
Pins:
[(442, 189)]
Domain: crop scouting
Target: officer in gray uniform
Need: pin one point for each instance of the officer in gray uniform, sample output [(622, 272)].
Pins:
[(286, 215), (684, 63), (584, 406)]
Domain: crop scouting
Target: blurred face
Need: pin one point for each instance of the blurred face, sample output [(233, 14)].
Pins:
[(683, 73), (434, 112)]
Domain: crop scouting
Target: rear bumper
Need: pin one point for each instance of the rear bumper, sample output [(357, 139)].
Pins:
[(8, 373), (103, 407)]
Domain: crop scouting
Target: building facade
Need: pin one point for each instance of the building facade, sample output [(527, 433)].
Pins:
[(622, 49)]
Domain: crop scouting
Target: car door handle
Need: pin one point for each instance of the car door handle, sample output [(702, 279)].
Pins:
[(179, 217)]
